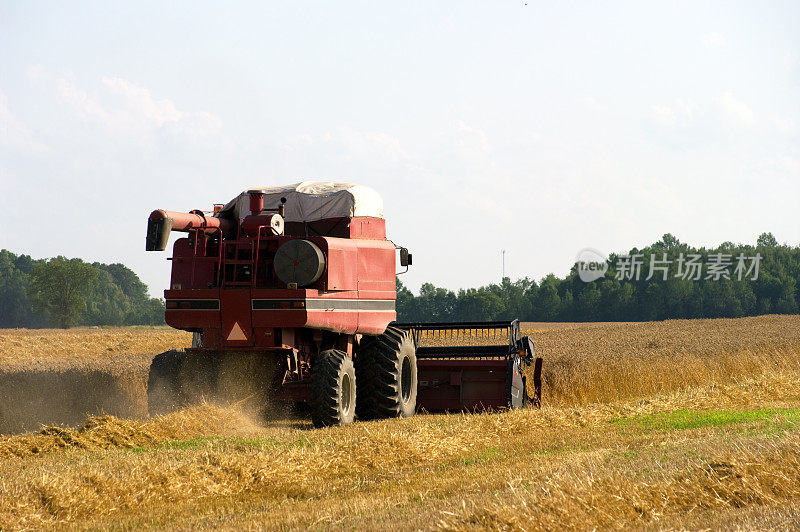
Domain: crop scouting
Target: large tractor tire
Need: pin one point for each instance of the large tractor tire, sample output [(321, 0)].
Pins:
[(163, 387), (333, 389), (386, 373)]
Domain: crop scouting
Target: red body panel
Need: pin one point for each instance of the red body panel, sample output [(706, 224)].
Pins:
[(355, 294), (452, 385), (237, 327), (192, 318)]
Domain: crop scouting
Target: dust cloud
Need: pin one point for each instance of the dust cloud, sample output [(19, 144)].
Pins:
[(65, 392)]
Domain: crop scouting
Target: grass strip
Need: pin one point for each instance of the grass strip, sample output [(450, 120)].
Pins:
[(694, 419)]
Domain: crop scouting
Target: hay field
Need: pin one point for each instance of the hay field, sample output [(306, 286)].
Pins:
[(590, 363), (30, 347), (672, 425)]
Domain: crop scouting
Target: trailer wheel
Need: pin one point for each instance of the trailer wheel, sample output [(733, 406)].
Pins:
[(386, 369), (333, 389), (163, 388)]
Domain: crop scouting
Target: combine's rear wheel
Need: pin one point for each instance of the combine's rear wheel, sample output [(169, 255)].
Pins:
[(386, 369), (163, 388), (333, 389)]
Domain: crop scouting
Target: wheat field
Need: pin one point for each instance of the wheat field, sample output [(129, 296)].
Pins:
[(668, 425)]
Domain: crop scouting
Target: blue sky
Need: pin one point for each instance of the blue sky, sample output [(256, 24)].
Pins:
[(539, 128)]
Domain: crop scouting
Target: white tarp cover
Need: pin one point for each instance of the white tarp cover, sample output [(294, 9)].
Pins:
[(313, 200)]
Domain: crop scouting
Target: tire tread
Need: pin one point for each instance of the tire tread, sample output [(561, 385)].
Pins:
[(378, 375)]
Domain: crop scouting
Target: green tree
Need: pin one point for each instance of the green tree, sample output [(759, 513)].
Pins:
[(766, 240), (677, 292), (513, 297), (404, 302), (786, 302), (668, 242), (15, 305), (59, 287), (478, 305), (568, 307), (436, 304), (150, 313), (587, 302), (127, 280), (106, 303), (547, 302)]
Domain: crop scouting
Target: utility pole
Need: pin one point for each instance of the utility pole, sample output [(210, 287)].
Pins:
[(503, 253)]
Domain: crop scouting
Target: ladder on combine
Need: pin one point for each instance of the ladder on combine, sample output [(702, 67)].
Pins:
[(237, 263), (474, 365)]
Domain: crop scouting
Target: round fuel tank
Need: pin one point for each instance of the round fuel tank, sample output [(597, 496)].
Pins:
[(299, 261)]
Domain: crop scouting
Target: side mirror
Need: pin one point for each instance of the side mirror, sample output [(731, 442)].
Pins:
[(405, 258)]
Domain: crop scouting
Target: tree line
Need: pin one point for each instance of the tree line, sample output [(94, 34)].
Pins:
[(621, 295), (61, 292), (64, 292)]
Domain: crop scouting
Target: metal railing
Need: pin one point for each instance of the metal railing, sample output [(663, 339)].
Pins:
[(461, 333)]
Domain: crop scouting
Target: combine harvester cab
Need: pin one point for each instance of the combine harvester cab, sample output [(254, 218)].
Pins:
[(290, 294)]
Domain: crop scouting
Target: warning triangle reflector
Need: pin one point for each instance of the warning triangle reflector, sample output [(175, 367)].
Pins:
[(236, 334)]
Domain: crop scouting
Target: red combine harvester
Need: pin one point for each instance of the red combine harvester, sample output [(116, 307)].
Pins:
[(290, 294)]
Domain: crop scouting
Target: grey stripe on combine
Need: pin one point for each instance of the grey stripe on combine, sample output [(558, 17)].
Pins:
[(326, 304), (195, 304)]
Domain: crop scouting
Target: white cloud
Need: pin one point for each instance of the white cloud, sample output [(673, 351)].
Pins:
[(735, 111), (140, 104), (784, 124), (690, 125), (714, 39), (663, 115), (782, 167), (15, 134), (590, 102), (347, 144), (80, 102), (37, 74), (471, 138), (680, 113), (128, 113)]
